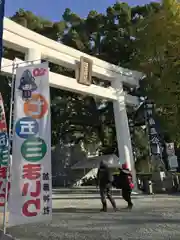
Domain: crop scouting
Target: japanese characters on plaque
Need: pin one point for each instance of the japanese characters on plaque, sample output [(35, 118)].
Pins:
[(154, 137), (31, 166), (4, 155)]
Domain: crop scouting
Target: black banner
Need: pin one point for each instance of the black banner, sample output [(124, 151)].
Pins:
[(155, 139), (132, 130)]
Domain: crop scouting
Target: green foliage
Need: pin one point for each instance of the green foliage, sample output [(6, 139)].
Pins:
[(157, 44), (141, 140), (6, 94)]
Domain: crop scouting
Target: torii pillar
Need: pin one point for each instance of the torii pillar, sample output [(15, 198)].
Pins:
[(122, 129)]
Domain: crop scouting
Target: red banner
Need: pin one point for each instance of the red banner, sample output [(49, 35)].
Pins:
[(4, 154)]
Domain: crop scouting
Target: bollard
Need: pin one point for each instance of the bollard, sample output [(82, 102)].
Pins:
[(150, 187)]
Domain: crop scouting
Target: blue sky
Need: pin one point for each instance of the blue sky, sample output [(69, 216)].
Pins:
[(53, 9)]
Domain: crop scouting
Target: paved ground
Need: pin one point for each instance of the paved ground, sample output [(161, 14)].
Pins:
[(76, 216)]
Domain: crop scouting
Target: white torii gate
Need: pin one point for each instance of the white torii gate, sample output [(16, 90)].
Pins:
[(37, 47)]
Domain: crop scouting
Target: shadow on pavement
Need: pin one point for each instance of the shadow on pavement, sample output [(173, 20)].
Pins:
[(89, 224), (151, 218), (84, 197), (76, 210)]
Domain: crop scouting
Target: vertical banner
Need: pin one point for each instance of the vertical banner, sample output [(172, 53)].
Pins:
[(155, 140), (30, 197), (4, 155), (132, 131), (2, 3)]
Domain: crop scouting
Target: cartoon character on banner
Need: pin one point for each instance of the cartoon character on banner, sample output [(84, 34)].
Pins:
[(27, 85)]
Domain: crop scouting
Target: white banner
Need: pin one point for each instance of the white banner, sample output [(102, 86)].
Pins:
[(30, 197), (4, 155)]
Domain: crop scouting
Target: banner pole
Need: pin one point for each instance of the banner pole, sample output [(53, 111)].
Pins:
[(2, 8), (9, 147)]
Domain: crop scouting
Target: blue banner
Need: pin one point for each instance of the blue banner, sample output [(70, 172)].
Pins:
[(2, 4)]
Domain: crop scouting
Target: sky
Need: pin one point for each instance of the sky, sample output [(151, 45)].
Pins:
[(54, 9)]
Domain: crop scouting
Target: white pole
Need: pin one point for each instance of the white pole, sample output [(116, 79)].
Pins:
[(9, 149)]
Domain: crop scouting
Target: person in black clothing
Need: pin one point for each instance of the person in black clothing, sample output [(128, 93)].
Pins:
[(104, 181), (126, 183)]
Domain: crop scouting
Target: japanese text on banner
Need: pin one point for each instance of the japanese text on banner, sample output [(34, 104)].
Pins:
[(4, 155), (31, 147)]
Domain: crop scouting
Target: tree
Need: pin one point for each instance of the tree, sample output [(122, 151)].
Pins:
[(107, 36), (6, 94), (157, 41)]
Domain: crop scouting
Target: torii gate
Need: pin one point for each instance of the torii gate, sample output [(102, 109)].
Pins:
[(37, 47)]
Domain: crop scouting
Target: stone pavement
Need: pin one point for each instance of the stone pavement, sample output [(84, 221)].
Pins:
[(76, 216)]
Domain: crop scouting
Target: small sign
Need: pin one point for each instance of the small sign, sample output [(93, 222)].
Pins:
[(84, 71), (170, 149), (173, 163)]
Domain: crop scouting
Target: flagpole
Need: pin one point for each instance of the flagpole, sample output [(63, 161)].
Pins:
[(2, 4), (9, 147)]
